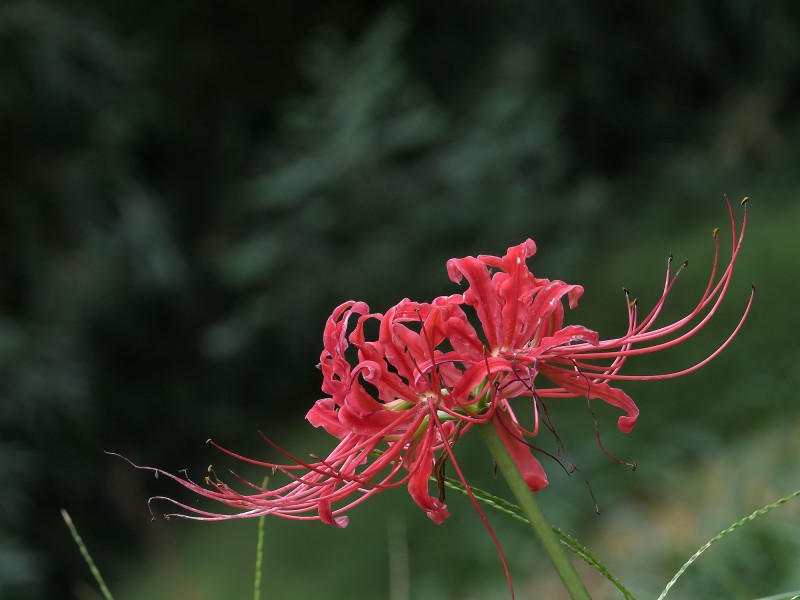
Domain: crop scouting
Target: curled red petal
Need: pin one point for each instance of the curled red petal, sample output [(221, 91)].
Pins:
[(324, 414), (580, 385), (530, 468), (326, 515), (418, 483)]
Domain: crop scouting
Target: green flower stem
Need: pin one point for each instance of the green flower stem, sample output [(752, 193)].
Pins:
[(259, 553), (505, 464)]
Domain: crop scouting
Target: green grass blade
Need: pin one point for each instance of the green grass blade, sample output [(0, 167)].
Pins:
[(795, 595), (86, 556), (515, 512), (754, 515)]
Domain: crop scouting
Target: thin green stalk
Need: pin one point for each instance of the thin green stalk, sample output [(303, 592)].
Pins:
[(505, 464), (86, 556), (259, 553)]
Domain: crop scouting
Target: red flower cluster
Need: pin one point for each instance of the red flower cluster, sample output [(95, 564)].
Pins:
[(399, 398)]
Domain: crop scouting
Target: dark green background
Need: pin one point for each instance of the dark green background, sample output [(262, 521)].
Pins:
[(187, 189)]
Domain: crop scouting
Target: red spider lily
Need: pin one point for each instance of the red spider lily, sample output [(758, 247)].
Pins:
[(522, 320), (389, 431), (398, 402)]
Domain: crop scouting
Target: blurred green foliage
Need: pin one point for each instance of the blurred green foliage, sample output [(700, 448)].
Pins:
[(188, 189)]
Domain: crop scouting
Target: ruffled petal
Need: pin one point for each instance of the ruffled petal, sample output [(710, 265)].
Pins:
[(481, 294), (545, 314)]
